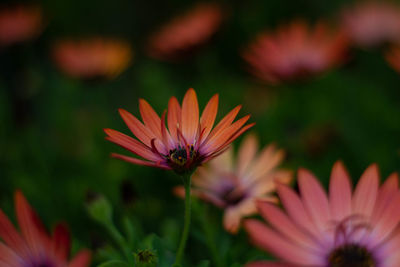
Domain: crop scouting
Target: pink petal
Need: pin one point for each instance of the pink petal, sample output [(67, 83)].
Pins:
[(140, 162), (286, 227), (268, 240), (269, 264), (314, 199), (82, 259), (366, 192), (61, 241), (340, 192)]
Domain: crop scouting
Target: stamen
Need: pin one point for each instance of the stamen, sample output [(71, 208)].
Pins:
[(351, 255)]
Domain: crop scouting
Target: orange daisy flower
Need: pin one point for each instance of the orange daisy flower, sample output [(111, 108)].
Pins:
[(19, 23), (235, 184), (372, 23), (92, 58), (189, 140), (344, 228), (183, 34), (34, 246), (295, 51)]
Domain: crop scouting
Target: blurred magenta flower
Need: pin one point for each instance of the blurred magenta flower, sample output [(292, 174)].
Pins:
[(187, 143), (185, 33), (342, 229), (372, 23), (19, 23), (92, 57), (234, 184), (295, 51), (392, 56), (34, 247)]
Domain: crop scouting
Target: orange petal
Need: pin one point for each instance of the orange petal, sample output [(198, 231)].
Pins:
[(190, 116), (225, 122), (166, 137), (150, 117), (137, 128), (246, 153), (131, 144), (208, 116), (139, 161), (174, 118)]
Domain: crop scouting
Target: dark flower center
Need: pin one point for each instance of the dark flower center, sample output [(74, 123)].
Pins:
[(351, 255), (232, 197), (179, 156)]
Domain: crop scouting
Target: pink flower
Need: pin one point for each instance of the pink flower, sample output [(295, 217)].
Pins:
[(34, 247), (295, 51), (186, 32), (189, 140), (234, 184), (19, 23), (372, 23), (344, 228)]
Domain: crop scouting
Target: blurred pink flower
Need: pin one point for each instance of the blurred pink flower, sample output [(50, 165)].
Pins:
[(342, 229), (372, 23), (186, 32), (92, 57), (234, 184), (34, 247), (392, 56), (295, 51), (19, 23), (189, 141)]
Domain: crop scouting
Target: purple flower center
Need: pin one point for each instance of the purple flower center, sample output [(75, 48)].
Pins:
[(351, 255), (232, 197), (41, 263)]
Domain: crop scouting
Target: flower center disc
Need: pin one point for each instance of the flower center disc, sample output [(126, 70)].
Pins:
[(351, 255)]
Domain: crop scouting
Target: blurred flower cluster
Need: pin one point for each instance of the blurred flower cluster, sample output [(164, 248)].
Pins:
[(252, 186)]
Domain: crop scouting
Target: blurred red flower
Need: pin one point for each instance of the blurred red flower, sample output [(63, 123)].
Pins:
[(19, 23), (234, 184), (186, 32), (372, 23), (92, 57), (295, 51), (34, 246), (392, 56), (189, 140)]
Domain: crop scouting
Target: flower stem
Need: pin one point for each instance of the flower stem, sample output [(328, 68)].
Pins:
[(186, 226)]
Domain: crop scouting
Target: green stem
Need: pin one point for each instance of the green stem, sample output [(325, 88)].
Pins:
[(186, 226), (121, 242)]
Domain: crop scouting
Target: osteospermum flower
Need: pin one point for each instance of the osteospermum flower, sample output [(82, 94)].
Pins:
[(234, 184), (372, 23), (295, 51), (19, 23), (93, 57), (186, 32), (188, 141), (34, 247), (345, 228)]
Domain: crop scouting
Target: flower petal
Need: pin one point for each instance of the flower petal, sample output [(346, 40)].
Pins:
[(137, 128), (340, 192), (131, 144), (269, 264), (61, 241), (190, 116), (8, 258), (10, 236), (208, 116), (150, 118), (82, 259), (267, 239), (174, 118), (365, 194), (140, 162), (314, 199), (246, 153)]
